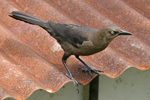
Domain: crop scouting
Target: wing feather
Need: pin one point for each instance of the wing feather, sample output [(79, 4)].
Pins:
[(74, 34)]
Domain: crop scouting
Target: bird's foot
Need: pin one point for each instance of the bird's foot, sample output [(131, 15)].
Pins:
[(90, 70), (74, 81)]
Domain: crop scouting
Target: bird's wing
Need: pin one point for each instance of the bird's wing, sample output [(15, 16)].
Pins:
[(74, 34)]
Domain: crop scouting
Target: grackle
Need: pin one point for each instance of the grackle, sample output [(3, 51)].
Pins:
[(75, 39)]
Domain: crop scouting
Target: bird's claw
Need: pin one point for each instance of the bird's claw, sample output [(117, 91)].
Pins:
[(74, 81), (90, 71)]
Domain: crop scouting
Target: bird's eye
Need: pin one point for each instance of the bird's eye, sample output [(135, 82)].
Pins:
[(113, 32)]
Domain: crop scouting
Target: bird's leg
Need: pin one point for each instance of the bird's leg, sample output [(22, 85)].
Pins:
[(65, 56), (88, 68)]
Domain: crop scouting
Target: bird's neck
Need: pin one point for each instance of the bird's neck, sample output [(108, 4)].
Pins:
[(98, 38), (100, 41)]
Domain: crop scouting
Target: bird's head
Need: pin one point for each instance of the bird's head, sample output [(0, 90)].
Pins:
[(110, 32)]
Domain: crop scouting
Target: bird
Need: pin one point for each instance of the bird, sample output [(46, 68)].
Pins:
[(74, 39)]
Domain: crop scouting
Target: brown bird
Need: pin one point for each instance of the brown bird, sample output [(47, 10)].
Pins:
[(75, 39)]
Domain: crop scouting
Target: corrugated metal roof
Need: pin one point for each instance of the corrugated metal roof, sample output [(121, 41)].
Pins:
[(31, 59)]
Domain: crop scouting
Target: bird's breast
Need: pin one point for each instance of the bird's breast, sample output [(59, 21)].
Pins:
[(87, 48)]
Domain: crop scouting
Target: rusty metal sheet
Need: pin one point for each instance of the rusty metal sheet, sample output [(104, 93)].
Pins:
[(31, 59)]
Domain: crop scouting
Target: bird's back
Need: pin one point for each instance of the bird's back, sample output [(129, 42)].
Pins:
[(74, 34)]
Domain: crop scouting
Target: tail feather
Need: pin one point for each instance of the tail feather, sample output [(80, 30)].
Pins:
[(27, 18)]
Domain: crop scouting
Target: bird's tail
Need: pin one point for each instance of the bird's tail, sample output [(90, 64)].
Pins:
[(28, 18)]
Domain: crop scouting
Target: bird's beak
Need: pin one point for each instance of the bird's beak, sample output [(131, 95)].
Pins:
[(124, 33)]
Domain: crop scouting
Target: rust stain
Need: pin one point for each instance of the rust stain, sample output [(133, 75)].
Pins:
[(31, 59)]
